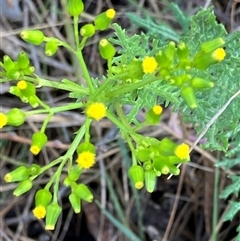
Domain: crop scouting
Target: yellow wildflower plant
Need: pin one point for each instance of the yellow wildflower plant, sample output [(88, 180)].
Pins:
[(86, 159), (96, 111), (149, 65), (182, 151)]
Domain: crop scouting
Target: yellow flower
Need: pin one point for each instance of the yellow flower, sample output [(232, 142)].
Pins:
[(86, 159), (157, 109), (96, 111), (22, 84), (110, 13), (219, 54), (3, 120), (35, 149), (149, 65), (182, 151), (7, 178), (39, 212)]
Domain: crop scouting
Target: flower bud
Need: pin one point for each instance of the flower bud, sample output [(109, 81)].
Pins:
[(106, 49), (23, 186), (29, 70), (39, 140), (34, 170), (199, 83), (136, 174), (163, 61), (33, 101), (83, 192), (8, 63), (88, 30), (166, 147), (153, 115), (75, 202), (15, 117), (35, 37), (13, 73), (174, 170), (211, 45), (43, 197), (160, 164), (150, 180), (188, 95), (144, 154), (86, 146), (19, 174), (3, 120), (103, 20), (23, 60), (147, 165), (134, 69), (51, 48), (182, 51), (67, 182), (170, 50), (74, 173), (75, 7), (27, 89), (53, 212)]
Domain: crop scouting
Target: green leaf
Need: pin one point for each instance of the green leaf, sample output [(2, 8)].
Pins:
[(234, 208), (233, 188)]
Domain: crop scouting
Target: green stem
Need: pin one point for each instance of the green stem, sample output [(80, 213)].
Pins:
[(70, 106), (45, 123), (75, 24), (87, 134), (43, 104), (130, 88)]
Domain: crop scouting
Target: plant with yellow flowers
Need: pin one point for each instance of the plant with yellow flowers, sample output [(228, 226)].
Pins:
[(184, 74)]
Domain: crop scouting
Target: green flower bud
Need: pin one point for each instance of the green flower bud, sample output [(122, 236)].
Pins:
[(180, 80), (35, 37), (29, 70), (163, 61), (159, 165), (34, 170), (182, 51), (150, 180), (174, 160), (53, 212), (103, 20), (43, 197), (86, 146), (174, 170), (51, 48), (147, 165), (199, 83), (23, 60), (83, 192), (166, 147), (75, 202), (188, 95), (26, 88), (88, 30), (23, 186), (134, 69), (211, 45), (14, 90), (8, 63), (170, 50), (75, 7), (153, 115), (33, 101), (13, 73), (15, 117), (19, 174), (39, 140), (74, 173), (144, 154), (106, 49), (136, 174)]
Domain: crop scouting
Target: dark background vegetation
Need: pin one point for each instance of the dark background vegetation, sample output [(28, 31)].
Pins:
[(180, 209)]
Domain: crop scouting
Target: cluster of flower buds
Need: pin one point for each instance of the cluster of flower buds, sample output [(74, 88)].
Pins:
[(156, 158), (22, 175), (173, 64), (19, 68), (78, 191)]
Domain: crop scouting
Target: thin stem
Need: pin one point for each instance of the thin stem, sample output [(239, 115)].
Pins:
[(45, 123), (75, 24), (87, 135)]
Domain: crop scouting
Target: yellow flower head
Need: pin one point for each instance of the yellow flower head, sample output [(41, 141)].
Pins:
[(39, 212), (219, 54), (35, 149), (157, 109), (182, 151), (3, 120), (22, 84), (86, 159), (149, 65), (96, 111), (110, 13)]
